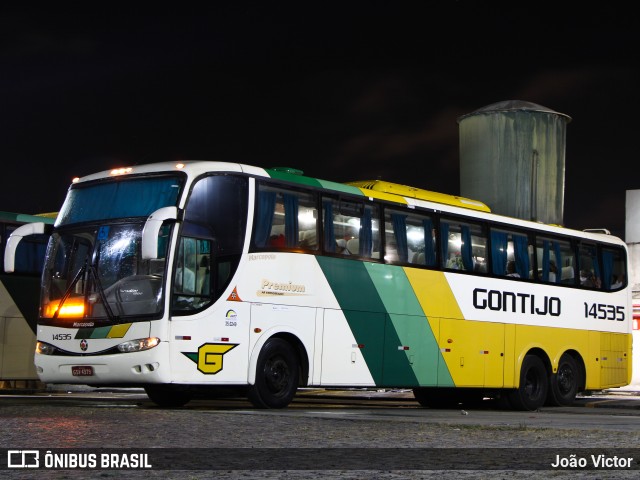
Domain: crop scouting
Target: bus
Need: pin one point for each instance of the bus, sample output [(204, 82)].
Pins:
[(193, 278), (19, 301), (635, 367)]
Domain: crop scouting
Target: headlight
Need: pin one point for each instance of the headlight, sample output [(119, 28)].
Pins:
[(45, 348), (138, 345)]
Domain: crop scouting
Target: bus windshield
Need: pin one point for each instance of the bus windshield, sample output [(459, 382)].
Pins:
[(119, 198), (97, 274), (94, 270)]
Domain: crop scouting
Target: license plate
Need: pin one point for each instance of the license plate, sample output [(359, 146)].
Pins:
[(82, 371)]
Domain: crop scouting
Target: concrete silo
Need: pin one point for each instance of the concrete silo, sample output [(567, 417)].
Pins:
[(512, 157)]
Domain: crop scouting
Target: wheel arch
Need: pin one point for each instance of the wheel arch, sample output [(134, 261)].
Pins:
[(579, 361), (533, 375), (538, 352), (292, 339)]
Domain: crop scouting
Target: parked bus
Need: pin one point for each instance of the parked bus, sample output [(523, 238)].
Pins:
[(19, 301), (635, 367), (195, 277)]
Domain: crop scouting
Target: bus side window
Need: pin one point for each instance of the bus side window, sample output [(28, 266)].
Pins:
[(351, 228), (368, 242), (285, 219), (331, 230), (192, 278), (463, 246), (614, 275), (511, 254), (556, 261), (409, 238), (211, 242), (589, 266), (185, 275)]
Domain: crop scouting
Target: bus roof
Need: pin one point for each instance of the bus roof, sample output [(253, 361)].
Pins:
[(398, 193), (413, 192), (382, 190), (370, 188), (378, 189)]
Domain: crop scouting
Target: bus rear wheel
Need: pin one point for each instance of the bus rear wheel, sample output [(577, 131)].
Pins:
[(168, 396), (564, 384), (277, 375), (532, 392)]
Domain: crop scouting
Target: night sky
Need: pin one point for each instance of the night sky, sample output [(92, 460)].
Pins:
[(340, 90)]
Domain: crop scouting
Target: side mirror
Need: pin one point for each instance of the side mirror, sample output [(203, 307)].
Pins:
[(15, 238), (152, 228)]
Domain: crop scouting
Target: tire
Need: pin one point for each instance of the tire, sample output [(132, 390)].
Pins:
[(168, 396), (564, 384), (437, 397), (532, 392), (277, 375)]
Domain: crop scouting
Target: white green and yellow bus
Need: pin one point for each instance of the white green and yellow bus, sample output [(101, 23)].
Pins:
[(19, 300), (187, 279)]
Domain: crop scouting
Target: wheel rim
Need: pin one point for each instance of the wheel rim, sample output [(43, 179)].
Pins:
[(532, 385), (277, 375), (565, 379)]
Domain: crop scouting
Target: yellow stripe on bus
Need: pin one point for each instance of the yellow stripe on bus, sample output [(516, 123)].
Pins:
[(119, 331), (433, 293)]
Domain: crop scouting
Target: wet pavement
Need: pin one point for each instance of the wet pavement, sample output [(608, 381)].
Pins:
[(626, 397)]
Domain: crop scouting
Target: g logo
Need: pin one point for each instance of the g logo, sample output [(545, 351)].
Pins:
[(210, 356)]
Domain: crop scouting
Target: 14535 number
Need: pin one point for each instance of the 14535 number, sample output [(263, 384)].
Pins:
[(604, 312)]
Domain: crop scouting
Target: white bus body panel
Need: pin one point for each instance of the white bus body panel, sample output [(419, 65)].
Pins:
[(538, 305), (345, 364), (149, 366), (212, 346)]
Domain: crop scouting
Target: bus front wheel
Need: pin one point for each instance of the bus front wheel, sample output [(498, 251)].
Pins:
[(564, 384), (277, 375), (532, 392)]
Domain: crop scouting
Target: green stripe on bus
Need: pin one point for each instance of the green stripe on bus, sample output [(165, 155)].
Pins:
[(313, 182), (417, 348), (292, 177), (398, 344), (362, 307), (341, 187), (99, 332)]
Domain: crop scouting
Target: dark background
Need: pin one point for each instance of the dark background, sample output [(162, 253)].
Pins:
[(341, 90)]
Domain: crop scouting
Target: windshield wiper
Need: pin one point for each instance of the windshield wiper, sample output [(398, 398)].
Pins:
[(69, 289), (98, 284), (107, 308)]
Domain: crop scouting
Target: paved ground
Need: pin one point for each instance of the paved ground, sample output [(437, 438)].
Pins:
[(613, 398), (626, 397), (97, 426)]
